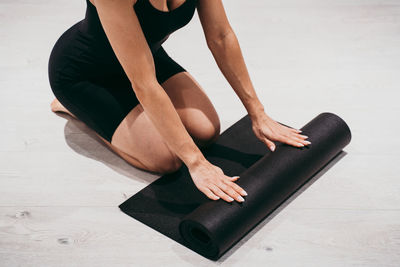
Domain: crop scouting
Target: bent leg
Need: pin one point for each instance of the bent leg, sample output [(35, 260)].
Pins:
[(105, 109), (194, 108), (138, 138), (135, 138)]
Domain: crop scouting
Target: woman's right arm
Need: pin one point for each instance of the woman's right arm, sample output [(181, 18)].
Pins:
[(129, 44)]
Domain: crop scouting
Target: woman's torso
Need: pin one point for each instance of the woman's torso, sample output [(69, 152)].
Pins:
[(84, 50), (157, 25)]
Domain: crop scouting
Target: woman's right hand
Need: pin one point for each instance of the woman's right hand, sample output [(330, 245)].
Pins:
[(212, 181)]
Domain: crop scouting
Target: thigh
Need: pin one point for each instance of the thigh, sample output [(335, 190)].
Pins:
[(99, 107), (191, 102), (137, 137), (194, 107), (138, 141)]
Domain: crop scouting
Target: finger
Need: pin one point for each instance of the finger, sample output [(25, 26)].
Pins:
[(269, 143), (302, 141), (300, 135), (288, 132), (233, 178), (294, 130), (217, 191), (237, 188), (287, 139), (228, 189), (210, 194), (291, 141)]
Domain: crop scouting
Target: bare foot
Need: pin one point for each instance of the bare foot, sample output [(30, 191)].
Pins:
[(56, 106)]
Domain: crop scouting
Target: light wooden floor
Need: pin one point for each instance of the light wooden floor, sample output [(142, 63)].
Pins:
[(60, 187)]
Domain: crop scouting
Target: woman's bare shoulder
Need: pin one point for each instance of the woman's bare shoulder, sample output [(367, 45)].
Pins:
[(93, 2)]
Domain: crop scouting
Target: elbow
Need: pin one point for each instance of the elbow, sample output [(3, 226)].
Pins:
[(220, 39)]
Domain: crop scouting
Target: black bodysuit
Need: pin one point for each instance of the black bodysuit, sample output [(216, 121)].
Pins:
[(86, 76)]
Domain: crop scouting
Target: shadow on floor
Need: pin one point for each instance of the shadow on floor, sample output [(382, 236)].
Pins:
[(84, 141)]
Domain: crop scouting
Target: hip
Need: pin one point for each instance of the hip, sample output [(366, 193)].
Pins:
[(78, 56)]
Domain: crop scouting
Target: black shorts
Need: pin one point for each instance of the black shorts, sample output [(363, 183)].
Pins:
[(95, 89)]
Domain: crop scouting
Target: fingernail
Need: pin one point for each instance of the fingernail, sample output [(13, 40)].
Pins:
[(299, 131), (236, 177), (244, 193), (272, 148), (241, 199), (230, 199), (308, 142), (301, 144)]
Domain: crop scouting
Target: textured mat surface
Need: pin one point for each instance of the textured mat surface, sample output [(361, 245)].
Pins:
[(174, 206)]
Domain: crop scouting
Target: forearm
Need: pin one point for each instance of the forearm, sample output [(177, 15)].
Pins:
[(161, 112), (229, 58)]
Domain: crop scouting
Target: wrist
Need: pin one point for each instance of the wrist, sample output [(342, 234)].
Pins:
[(257, 113), (195, 160), (191, 155)]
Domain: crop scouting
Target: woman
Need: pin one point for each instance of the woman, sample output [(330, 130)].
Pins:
[(111, 72)]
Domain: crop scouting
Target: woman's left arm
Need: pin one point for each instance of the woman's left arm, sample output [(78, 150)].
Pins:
[(225, 48)]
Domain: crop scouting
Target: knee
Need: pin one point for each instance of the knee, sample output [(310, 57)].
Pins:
[(206, 133), (166, 162)]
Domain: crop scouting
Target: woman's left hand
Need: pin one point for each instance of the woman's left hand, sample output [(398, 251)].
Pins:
[(267, 130)]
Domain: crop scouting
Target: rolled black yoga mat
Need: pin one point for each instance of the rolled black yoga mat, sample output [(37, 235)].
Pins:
[(175, 207)]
